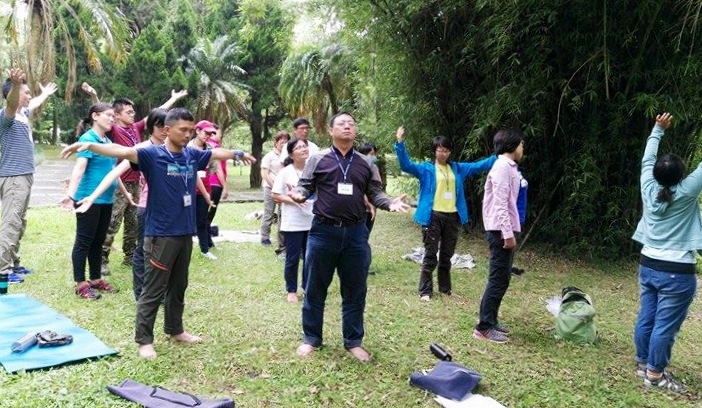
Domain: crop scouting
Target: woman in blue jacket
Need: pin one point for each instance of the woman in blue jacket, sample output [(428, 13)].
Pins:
[(670, 231), (442, 207)]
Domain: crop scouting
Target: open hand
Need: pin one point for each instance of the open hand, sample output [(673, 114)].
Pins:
[(179, 94), (84, 204), (48, 89), (74, 148), (16, 75), (248, 159), (400, 135), (397, 205)]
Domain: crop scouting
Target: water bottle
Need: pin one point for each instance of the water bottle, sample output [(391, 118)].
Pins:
[(439, 352), (25, 342), (3, 283)]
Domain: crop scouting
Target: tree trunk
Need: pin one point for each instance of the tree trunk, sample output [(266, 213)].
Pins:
[(54, 127), (256, 127)]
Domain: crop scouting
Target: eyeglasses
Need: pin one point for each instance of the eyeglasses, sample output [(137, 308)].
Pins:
[(443, 151), (301, 147)]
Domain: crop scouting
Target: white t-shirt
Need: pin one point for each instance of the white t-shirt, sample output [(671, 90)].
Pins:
[(312, 147), (292, 218)]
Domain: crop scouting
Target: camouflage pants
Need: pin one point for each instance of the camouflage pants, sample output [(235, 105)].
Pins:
[(122, 210)]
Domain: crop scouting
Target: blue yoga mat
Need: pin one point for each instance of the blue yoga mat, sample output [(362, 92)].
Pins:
[(20, 314)]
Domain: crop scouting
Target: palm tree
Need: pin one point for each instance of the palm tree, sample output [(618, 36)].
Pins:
[(220, 97), (46, 27), (316, 81)]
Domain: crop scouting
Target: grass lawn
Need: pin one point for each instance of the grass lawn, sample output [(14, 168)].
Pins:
[(237, 304)]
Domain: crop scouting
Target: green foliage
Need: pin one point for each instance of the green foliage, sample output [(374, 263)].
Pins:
[(152, 70), (582, 80)]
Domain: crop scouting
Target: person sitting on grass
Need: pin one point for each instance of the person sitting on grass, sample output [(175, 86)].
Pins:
[(171, 172), (670, 231)]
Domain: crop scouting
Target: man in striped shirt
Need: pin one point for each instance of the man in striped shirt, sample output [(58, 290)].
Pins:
[(16, 165)]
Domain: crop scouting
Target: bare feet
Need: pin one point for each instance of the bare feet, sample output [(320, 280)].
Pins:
[(304, 350), (292, 297), (147, 351), (186, 337), (425, 298), (360, 353)]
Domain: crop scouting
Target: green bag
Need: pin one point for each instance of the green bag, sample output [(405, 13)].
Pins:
[(576, 318)]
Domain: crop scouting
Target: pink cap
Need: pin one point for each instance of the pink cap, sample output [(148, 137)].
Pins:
[(206, 125)]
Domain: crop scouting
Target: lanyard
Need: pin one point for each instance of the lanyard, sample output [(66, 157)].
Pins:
[(445, 173), (343, 171), (183, 174)]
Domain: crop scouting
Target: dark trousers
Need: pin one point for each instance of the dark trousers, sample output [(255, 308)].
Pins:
[(440, 236), (295, 246), (91, 228), (500, 271), (203, 229), (216, 197), (138, 257), (344, 249), (369, 225), (167, 261)]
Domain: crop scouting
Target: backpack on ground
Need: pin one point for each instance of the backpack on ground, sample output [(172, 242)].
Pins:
[(576, 317)]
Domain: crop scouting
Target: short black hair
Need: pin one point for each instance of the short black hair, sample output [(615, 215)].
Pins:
[(441, 141), (507, 140), (367, 147), (333, 118), (157, 117), (7, 86), (300, 121), (120, 103), (177, 114)]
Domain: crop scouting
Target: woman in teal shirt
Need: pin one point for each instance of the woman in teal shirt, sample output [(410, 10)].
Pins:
[(91, 225)]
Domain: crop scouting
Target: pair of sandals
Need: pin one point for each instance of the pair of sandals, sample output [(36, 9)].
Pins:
[(49, 338)]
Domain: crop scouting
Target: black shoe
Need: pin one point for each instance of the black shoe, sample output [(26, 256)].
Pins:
[(266, 242)]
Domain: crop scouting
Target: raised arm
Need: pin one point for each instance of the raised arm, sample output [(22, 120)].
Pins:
[(16, 76), (175, 97), (111, 150), (90, 91), (403, 158), (46, 92)]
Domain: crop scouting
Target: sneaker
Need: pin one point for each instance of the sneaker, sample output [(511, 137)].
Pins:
[(21, 270), (104, 270), (209, 255), (641, 370), (86, 292), (666, 382), (490, 335), (266, 242), (103, 286), (15, 277), (502, 329)]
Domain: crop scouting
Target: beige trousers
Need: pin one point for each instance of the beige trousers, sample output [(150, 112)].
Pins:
[(14, 200)]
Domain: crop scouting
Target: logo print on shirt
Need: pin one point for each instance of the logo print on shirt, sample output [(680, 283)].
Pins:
[(173, 169)]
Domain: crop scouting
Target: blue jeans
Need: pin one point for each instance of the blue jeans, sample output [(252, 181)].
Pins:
[(345, 249), (665, 300), (138, 270), (295, 243)]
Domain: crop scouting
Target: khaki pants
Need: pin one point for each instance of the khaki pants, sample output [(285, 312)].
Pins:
[(14, 199)]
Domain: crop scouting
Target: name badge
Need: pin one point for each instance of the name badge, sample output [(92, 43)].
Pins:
[(345, 189), (448, 195), (201, 173), (187, 200)]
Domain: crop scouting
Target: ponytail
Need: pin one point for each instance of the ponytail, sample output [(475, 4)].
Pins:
[(665, 195)]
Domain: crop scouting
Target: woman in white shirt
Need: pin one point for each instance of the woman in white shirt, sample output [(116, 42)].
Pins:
[(296, 219)]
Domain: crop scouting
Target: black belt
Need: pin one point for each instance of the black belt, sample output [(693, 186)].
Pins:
[(335, 223)]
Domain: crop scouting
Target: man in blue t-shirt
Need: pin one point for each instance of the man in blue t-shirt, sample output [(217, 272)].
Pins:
[(171, 173), (16, 166)]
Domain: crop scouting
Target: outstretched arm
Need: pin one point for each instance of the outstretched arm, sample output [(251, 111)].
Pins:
[(111, 150), (224, 154), (46, 92), (105, 184)]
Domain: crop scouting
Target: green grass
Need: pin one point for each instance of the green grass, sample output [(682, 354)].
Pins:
[(237, 304)]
